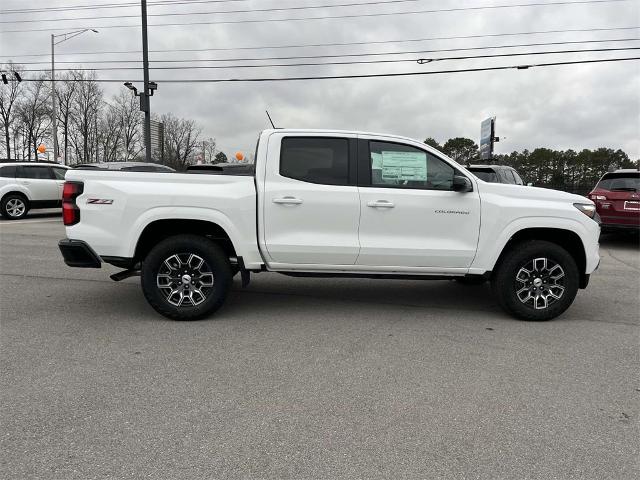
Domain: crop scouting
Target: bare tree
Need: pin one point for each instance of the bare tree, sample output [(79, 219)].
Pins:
[(110, 134), (180, 140), (209, 150), (9, 94), (35, 113), (129, 117), (85, 109), (65, 95)]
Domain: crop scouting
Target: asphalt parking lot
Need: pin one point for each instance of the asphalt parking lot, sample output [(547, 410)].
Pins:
[(312, 378)]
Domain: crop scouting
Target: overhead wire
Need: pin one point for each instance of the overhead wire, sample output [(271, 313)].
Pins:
[(355, 76), (220, 12), (358, 62), (333, 17), (343, 55), (330, 44)]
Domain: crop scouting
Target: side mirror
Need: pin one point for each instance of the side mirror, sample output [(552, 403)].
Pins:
[(461, 184), (529, 184)]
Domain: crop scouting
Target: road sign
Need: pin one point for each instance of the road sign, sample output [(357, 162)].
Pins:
[(487, 137)]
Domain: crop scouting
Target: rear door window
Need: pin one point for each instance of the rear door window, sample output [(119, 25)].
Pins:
[(315, 160), (8, 171), (36, 172)]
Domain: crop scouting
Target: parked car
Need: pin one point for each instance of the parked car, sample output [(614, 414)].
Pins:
[(617, 199), (331, 203), (30, 185), (125, 166), (496, 174)]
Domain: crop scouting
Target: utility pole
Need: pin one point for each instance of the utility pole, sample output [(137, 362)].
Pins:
[(144, 99), (54, 119)]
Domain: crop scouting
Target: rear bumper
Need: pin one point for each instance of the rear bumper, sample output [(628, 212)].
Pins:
[(77, 253)]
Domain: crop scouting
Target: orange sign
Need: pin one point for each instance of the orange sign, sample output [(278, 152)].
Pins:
[(42, 148)]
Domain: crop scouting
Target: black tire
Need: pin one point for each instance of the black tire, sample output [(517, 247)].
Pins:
[(546, 296), (10, 206), (184, 279)]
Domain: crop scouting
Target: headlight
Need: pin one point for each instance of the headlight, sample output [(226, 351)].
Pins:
[(588, 209)]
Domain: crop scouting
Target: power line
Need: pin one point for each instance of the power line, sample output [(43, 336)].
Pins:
[(334, 44), (333, 17), (359, 62), (346, 55), (66, 8), (371, 75), (220, 12)]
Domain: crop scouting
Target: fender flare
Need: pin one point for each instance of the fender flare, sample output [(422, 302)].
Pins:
[(184, 213)]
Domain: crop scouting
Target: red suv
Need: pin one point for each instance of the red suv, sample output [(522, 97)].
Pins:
[(617, 199)]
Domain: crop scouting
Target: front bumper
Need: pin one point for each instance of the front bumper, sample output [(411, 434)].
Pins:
[(77, 253)]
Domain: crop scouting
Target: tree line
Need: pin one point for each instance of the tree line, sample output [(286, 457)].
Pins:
[(570, 170), (90, 126)]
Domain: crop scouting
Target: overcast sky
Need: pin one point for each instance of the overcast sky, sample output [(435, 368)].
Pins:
[(575, 106)]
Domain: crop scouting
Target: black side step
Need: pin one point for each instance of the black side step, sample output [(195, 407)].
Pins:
[(132, 272)]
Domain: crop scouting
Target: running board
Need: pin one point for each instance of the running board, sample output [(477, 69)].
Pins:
[(132, 272)]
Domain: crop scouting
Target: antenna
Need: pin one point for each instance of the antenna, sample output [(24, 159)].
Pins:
[(270, 119)]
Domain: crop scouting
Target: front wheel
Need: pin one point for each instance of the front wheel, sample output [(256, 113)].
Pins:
[(186, 277), (538, 280)]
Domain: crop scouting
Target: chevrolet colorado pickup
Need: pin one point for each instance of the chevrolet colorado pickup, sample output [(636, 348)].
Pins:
[(331, 203)]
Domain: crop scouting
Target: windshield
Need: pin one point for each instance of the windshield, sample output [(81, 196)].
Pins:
[(485, 174), (620, 181)]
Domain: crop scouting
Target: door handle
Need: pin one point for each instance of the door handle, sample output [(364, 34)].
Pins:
[(288, 201), (380, 204)]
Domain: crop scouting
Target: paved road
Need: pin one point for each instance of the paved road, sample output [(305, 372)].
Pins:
[(309, 378)]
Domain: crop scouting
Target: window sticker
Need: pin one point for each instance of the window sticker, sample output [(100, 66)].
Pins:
[(410, 166), (376, 161)]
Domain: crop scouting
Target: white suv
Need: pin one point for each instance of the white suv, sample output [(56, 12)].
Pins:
[(27, 185)]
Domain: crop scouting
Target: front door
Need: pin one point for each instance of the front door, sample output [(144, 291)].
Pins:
[(311, 205), (411, 217)]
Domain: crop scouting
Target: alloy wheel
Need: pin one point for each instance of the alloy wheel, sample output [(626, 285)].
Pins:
[(15, 207), (185, 279), (540, 283)]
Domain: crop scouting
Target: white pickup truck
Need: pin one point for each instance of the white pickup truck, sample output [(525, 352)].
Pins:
[(331, 203)]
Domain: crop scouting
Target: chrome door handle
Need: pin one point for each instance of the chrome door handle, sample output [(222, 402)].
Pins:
[(380, 204), (288, 200)]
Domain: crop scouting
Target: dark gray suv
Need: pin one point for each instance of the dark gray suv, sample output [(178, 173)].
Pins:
[(496, 174)]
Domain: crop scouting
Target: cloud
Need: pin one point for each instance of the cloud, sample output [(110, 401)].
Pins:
[(577, 107)]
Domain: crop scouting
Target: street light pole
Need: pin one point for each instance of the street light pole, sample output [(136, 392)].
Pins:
[(54, 113), (145, 98)]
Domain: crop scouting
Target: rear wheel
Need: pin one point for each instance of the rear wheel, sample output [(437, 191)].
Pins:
[(14, 206), (186, 277), (538, 280)]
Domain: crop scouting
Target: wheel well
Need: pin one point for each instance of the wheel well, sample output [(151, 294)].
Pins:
[(567, 239), (15, 193), (157, 231)]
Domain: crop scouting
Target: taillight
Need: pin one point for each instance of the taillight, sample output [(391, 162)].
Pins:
[(598, 197), (70, 210)]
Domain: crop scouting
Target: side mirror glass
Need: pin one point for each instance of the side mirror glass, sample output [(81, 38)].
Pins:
[(461, 184)]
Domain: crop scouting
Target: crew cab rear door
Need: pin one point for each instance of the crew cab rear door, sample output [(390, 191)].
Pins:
[(311, 205), (411, 217)]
